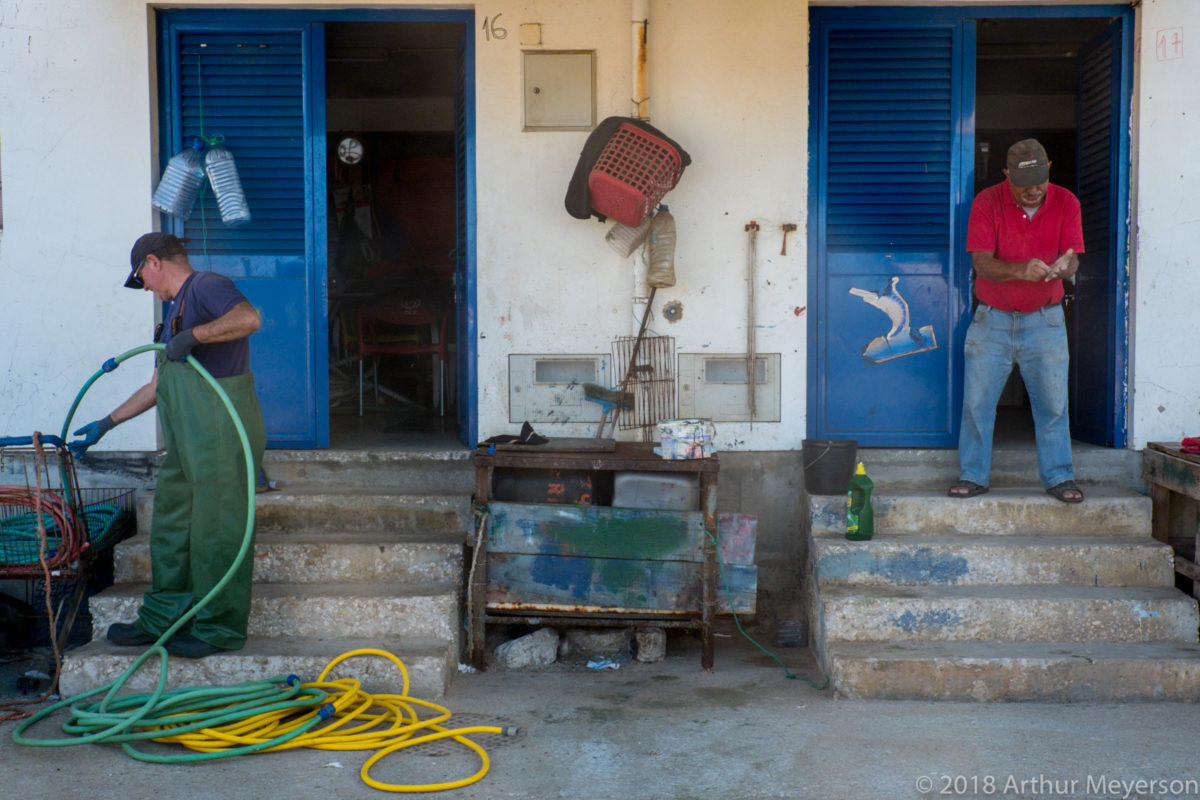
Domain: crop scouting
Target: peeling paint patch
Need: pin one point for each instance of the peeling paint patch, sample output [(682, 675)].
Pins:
[(1145, 613), (918, 567), (798, 310), (911, 622)]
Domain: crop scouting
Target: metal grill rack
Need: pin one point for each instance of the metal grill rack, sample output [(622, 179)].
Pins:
[(651, 381)]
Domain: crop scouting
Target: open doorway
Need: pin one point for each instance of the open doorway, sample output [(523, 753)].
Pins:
[(391, 210), (1028, 79)]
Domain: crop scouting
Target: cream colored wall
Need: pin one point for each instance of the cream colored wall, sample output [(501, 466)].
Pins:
[(76, 160), (727, 82), (1165, 354)]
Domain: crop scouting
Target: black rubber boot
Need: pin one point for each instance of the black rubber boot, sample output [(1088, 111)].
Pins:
[(125, 634)]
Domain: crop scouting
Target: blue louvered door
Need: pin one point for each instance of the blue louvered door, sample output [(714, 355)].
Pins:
[(256, 84), (1097, 312), (891, 107)]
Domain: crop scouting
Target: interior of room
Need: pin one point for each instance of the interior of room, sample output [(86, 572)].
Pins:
[(1027, 79), (390, 168)]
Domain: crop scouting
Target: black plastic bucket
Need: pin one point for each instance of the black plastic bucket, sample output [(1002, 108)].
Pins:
[(828, 465)]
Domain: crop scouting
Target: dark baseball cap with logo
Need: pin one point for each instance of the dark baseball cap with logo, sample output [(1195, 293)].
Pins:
[(1027, 163), (158, 244)]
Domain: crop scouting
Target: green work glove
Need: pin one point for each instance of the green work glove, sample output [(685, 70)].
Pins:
[(180, 345), (91, 433)]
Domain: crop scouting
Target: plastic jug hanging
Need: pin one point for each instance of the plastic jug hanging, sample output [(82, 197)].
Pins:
[(227, 186), (660, 271), (625, 239), (180, 184)]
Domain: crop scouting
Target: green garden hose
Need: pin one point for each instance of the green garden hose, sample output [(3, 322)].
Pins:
[(118, 724)]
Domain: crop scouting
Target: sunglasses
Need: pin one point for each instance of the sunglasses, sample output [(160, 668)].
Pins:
[(136, 277)]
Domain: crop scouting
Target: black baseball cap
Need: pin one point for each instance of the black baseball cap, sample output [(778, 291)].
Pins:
[(1027, 163), (162, 245)]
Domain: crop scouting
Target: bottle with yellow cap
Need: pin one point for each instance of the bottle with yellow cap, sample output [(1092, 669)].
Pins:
[(860, 516)]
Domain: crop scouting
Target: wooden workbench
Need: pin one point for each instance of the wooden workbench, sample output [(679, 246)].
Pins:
[(623, 456), (1173, 479)]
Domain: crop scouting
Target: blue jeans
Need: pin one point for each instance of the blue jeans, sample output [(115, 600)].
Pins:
[(1037, 343)]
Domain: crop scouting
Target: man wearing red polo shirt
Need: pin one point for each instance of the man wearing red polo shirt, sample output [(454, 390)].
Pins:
[(1023, 236)]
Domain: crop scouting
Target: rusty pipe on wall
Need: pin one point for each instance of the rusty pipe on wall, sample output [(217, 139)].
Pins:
[(641, 59)]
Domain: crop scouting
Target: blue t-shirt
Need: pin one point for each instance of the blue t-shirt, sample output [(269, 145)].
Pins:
[(205, 296)]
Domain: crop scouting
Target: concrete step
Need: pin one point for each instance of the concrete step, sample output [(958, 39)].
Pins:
[(350, 509), (319, 557), (988, 560), (1007, 613), (1014, 465), (402, 471), (333, 610), (1105, 511), (430, 663), (1007, 671)]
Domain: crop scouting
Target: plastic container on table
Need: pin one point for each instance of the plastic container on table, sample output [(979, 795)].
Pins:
[(653, 490)]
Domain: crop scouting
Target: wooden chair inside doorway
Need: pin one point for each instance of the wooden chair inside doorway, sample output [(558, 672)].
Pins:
[(404, 325)]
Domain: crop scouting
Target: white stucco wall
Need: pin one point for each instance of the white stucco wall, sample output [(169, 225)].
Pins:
[(727, 81), (76, 159), (1165, 352)]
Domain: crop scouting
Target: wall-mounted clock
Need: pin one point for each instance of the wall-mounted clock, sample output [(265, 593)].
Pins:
[(350, 151)]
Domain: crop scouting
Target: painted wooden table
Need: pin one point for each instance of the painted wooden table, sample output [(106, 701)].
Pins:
[(515, 543), (1173, 479)]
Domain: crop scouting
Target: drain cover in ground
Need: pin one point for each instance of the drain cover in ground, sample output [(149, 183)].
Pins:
[(488, 741)]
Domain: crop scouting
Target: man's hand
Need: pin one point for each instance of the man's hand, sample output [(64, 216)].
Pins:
[(1061, 267), (1036, 270), (180, 345), (91, 433)]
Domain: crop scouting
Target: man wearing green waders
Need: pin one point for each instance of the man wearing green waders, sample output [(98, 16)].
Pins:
[(200, 502)]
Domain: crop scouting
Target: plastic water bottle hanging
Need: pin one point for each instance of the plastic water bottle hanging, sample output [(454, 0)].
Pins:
[(226, 185), (660, 270), (180, 184)]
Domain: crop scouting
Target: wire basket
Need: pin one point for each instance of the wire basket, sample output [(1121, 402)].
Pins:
[(632, 174), (45, 517)]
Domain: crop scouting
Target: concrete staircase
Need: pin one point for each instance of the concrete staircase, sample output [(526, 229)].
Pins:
[(1007, 596), (356, 549)]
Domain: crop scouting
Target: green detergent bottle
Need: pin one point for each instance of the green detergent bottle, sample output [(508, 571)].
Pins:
[(860, 516)]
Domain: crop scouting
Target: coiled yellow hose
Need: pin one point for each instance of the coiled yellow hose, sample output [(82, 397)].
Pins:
[(385, 723)]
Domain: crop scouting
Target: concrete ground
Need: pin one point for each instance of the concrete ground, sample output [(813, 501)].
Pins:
[(670, 730)]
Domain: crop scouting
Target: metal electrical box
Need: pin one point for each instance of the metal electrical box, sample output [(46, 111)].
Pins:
[(713, 386), (559, 90), (549, 388)]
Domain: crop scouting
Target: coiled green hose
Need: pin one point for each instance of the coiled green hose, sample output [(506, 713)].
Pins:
[(115, 725)]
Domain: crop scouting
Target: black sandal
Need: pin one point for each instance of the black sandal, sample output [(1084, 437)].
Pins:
[(968, 489), (1059, 492)]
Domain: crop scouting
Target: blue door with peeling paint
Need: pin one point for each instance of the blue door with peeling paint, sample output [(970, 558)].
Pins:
[(891, 102), (254, 83)]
